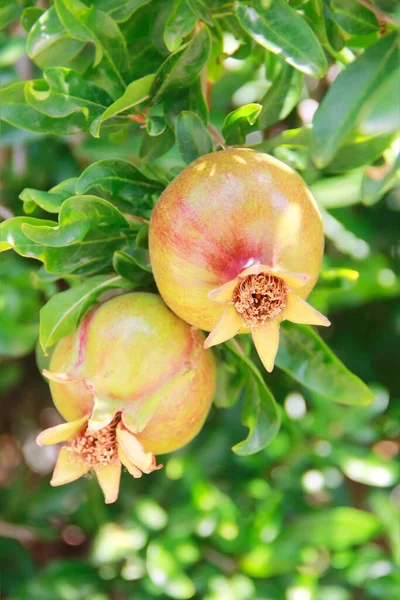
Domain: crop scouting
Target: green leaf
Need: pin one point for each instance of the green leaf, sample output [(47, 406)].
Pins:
[(9, 13), (353, 17), (202, 11), (260, 411), (179, 24), (52, 200), (120, 180), (239, 123), (155, 125), (63, 92), (381, 114), (63, 312), (11, 236), (86, 257), (139, 256), (334, 33), (16, 111), (182, 68), (138, 91), (191, 98), (29, 17), (291, 138), (78, 216), (192, 137), (88, 24), (359, 151), (153, 147), (306, 358), (276, 26), (133, 264), (121, 10), (336, 528), (281, 97), (340, 109), (343, 239), (48, 43), (336, 192)]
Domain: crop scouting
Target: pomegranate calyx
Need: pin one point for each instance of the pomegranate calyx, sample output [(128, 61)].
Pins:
[(104, 451), (258, 299)]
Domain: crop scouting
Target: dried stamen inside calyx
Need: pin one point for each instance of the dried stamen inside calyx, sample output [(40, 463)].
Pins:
[(260, 298), (97, 448)]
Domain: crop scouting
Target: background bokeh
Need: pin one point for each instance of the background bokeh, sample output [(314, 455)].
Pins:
[(314, 516)]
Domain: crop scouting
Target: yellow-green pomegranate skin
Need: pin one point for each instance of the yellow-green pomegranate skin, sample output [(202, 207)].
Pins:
[(127, 349), (224, 212)]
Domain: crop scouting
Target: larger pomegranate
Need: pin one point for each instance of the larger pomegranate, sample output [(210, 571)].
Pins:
[(236, 244), (133, 381)]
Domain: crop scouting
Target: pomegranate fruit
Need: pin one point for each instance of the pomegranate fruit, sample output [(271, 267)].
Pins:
[(132, 381), (236, 244)]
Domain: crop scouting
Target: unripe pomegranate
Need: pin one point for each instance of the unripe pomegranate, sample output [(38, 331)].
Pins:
[(133, 381), (236, 244)]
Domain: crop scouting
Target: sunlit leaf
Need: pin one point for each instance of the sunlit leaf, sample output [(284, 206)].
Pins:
[(49, 44), (136, 93), (276, 26), (239, 123)]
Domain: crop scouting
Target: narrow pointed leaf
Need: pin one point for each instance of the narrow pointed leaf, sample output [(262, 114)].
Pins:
[(260, 411), (63, 312), (276, 26), (138, 91), (349, 94), (192, 137), (306, 358)]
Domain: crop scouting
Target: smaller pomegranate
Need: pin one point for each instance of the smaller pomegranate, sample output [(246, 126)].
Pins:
[(133, 381), (236, 244)]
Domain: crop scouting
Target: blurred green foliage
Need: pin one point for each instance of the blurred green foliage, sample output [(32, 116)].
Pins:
[(101, 105)]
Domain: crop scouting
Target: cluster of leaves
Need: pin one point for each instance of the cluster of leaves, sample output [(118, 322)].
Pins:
[(217, 525), (101, 105)]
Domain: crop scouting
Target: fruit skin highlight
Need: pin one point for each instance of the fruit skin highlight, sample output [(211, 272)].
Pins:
[(132, 381), (231, 217)]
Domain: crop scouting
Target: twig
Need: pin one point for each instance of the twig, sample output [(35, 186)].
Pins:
[(216, 136), (237, 346), (17, 532), (381, 16), (5, 213), (134, 218)]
